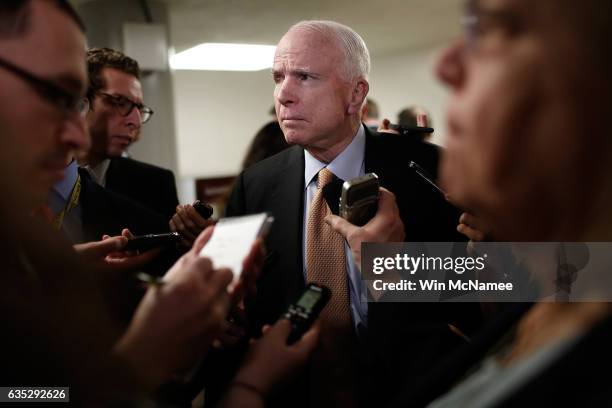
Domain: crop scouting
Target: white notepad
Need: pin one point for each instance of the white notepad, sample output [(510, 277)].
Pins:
[(232, 240)]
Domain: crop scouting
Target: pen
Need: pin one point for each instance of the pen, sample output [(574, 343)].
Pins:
[(419, 170)]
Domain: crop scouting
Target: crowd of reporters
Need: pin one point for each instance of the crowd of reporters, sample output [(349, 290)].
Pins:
[(525, 138)]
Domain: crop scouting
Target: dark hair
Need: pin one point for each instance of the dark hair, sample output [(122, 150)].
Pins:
[(406, 117), (100, 58), (15, 16), (268, 141)]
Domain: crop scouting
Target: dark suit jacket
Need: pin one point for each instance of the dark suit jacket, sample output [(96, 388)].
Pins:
[(151, 186), (106, 212), (575, 379), (403, 339)]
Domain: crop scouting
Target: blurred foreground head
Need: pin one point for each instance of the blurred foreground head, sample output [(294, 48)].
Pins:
[(46, 339), (529, 147), (42, 87)]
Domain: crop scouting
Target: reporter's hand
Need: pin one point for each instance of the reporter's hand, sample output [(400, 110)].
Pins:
[(421, 120), (246, 287), (386, 226), (385, 127), (235, 329), (270, 360), (110, 251), (187, 222), (177, 321), (196, 248), (473, 227), (98, 250), (251, 267)]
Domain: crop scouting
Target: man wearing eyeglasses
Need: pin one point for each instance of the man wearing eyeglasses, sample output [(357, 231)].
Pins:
[(55, 306), (57, 129), (115, 118), (85, 211)]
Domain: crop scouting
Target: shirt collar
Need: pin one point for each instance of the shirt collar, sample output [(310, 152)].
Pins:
[(64, 187), (98, 171), (346, 165)]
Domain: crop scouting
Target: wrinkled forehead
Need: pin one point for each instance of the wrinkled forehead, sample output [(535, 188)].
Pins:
[(307, 46)]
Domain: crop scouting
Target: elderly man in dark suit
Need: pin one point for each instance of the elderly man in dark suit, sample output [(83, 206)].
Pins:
[(320, 71)]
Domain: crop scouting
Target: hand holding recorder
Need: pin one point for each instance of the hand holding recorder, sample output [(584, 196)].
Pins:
[(385, 226), (115, 252), (190, 220), (283, 348), (178, 318)]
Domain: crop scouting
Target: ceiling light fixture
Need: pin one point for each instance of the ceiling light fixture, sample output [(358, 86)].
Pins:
[(224, 57)]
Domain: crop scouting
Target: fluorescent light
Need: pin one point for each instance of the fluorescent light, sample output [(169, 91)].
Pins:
[(224, 57)]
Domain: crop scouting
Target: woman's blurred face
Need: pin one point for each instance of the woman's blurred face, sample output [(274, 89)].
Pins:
[(517, 155)]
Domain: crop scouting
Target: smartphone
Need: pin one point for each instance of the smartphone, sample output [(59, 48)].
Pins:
[(305, 311), (359, 199), (205, 210), (150, 241)]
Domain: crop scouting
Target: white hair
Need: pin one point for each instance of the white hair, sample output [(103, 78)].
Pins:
[(356, 54)]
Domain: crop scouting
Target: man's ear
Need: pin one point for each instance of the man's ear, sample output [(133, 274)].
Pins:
[(358, 94)]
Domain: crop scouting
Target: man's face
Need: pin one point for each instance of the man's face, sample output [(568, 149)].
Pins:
[(39, 132), (517, 155), (311, 97), (111, 132)]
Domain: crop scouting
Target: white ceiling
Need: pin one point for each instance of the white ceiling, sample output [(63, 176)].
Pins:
[(387, 26)]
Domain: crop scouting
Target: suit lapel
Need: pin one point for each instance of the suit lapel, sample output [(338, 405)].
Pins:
[(374, 159), (94, 208), (113, 180), (289, 200)]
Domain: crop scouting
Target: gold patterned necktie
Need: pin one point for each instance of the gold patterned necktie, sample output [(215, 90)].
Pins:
[(325, 257), (332, 378)]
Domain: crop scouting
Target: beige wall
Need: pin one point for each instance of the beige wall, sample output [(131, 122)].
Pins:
[(217, 114), (399, 81)]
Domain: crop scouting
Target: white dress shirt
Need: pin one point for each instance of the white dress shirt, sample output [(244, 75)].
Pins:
[(350, 163), (98, 171)]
